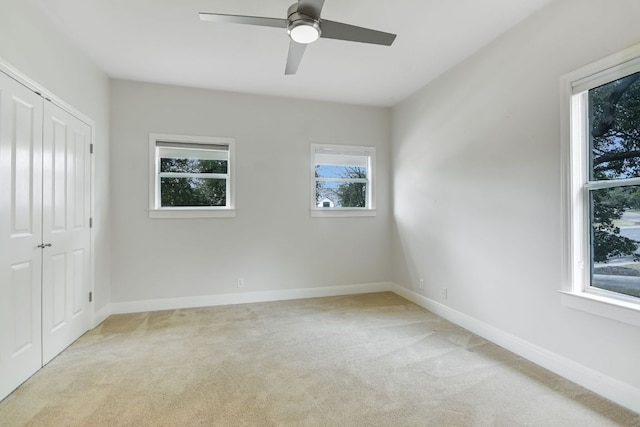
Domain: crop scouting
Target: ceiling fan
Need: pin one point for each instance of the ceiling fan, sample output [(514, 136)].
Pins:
[(304, 26)]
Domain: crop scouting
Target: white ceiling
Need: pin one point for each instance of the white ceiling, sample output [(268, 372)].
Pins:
[(165, 42)]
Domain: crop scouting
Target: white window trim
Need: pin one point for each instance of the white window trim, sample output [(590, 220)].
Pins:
[(190, 212), (576, 291), (370, 211)]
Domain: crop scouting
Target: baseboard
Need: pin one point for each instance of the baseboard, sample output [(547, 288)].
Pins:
[(101, 315), (611, 388), (247, 297)]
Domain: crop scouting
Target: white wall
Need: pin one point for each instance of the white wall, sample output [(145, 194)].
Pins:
[(272, 243), (30, 43), (476, 170)]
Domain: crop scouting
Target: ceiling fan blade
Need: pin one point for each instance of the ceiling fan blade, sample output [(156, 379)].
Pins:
[(239, 19), (296, 51), (311, 7), (340, 31)]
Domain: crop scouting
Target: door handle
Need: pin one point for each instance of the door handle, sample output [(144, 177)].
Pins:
[(42, 246)]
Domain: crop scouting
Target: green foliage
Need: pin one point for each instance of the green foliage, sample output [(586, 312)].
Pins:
[(353, 194), (615, 145), (190, 191), (624, 197), (609, 205), (318, 185)]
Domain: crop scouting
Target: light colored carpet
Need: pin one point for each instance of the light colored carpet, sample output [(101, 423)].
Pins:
[(365, 360)]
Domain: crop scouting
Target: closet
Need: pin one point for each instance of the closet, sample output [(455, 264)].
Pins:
[(45, 237)]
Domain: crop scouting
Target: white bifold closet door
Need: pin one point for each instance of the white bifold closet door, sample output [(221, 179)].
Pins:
[(20, 234), (66, 201), (44, 231)]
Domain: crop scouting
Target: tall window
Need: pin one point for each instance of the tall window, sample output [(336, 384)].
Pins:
[(604, 180), (342, 182), (191, 176), (613, 184)]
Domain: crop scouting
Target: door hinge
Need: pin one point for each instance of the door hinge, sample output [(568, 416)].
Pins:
[(90, 148), (90, 222), (90, 296)]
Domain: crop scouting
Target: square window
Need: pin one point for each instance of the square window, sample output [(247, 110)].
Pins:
[(342, 180), (190, 176)]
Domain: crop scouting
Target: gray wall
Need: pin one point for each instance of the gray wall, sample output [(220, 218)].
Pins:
[(272, 243), (477, 184)]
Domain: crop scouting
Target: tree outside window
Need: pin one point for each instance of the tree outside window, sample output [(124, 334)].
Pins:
[(178, 190), (191, 176), (342, 177), (614, 136)]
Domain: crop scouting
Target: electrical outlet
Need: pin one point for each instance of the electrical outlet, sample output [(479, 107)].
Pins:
[(444, 293), (240, 282), (421, 283)]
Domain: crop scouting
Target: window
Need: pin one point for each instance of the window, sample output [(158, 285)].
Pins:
[(342, 180), (191, 177), (603, 188)]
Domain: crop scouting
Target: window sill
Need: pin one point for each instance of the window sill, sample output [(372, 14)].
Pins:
[(341, 213), (603, 306), (192, 213)]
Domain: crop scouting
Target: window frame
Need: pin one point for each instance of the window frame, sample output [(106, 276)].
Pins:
[(155, 211), (576, 290), (367, 211)]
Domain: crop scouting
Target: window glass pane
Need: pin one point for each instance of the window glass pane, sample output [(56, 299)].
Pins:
[(614, 129), (615, 234), (341, 194), (193, 165), (176, 192)]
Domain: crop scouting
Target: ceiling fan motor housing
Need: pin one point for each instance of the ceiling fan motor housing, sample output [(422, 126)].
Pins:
[(302, 27)]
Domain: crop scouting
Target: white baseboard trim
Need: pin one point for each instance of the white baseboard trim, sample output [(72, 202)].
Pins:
[(246, 297), (101, 315), (611, 388)]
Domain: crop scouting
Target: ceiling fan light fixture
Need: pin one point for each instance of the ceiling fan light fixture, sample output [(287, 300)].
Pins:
[(304, 31), (304, 26)]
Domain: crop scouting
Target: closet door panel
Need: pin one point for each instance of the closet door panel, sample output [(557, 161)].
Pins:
[(58, 280), (58, 174), (25, 334), (20, 233), (66, 209)]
